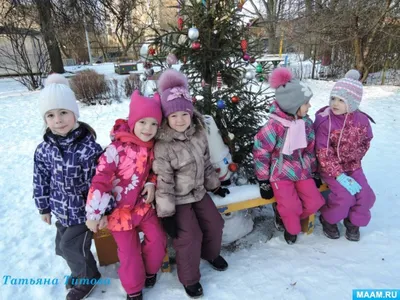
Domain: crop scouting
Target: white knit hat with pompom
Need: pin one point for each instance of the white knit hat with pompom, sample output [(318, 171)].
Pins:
[(57, 95)]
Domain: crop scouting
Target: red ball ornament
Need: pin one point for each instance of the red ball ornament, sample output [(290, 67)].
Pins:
[(194, 100), (196, 45), (243, 45), (252, 60), (152, 51), (180, 23), (233, 167), (235, 99)]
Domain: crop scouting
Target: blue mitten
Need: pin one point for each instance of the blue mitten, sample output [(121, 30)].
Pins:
[(349, 184)]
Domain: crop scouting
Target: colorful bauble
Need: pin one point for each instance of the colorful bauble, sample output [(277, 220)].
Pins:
[(233, 167), (246, 57), (252, 60), (249, 75), (261, 78), (219, 80), (180, 23), (194, 100), (259, 69), (171, 59), (243, 45), (196, 45), (152, 51), (235, 99), (221, 104), (147, 65), (193, 33)]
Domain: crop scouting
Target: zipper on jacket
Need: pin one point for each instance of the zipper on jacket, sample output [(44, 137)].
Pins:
[(273, 168)]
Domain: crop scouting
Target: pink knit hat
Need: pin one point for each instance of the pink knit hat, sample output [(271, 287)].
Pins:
[(349, 89), (144, 107), (174, 90)]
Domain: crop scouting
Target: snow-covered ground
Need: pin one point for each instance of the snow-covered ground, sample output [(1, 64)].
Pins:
[(261, 265)]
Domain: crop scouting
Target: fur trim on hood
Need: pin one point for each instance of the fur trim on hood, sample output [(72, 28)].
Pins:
[(167, 134)]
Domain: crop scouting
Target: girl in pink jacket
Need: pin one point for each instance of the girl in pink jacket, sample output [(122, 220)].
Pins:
[(124, 173), (284, 154)]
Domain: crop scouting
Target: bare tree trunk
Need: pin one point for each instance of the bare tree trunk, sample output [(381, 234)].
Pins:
[(308, 46), (47, 30), (273, 43), (358, 48)]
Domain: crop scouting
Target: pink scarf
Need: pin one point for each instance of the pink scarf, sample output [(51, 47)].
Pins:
[(295, 137)]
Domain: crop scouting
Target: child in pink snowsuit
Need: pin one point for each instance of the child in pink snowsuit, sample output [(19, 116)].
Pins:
[(124, 172), (343, 135), (284, 154)]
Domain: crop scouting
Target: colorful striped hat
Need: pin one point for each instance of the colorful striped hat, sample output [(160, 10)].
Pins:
[(349, 89)]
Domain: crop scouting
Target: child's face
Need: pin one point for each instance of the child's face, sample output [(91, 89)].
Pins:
[(145, 129), (338, 106), (303, 110), (179, 121), (60, 121)]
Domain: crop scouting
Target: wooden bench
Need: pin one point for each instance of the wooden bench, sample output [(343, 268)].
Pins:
[(107, 248)]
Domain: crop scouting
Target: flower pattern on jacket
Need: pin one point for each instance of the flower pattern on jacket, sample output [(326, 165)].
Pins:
[(98, 204), (123, 170), (342, 148)]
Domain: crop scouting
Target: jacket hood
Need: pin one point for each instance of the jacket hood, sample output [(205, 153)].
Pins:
[(167, 134), (120, 125)]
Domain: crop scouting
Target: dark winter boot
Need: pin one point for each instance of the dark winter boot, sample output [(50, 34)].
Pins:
[(226, 182), (82, 291), (135, 296), (352, 231), (330, 230), (194, 290), (69, 284), (219, 263), (290, 238), (277, 220), (150, 280)]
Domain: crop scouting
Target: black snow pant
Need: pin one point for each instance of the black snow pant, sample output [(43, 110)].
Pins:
[(73, 244)]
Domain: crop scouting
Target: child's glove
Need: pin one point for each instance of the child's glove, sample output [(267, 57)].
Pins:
[(266, 190), (349, 184), (222, 192), (317, 180), (169, 225)]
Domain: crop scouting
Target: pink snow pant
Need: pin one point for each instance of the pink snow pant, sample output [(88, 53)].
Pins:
[(341, 204), (199, 227), (296, 200), (137, 259)]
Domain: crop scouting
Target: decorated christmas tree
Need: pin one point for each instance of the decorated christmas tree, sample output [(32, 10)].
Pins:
[(213, 42)]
